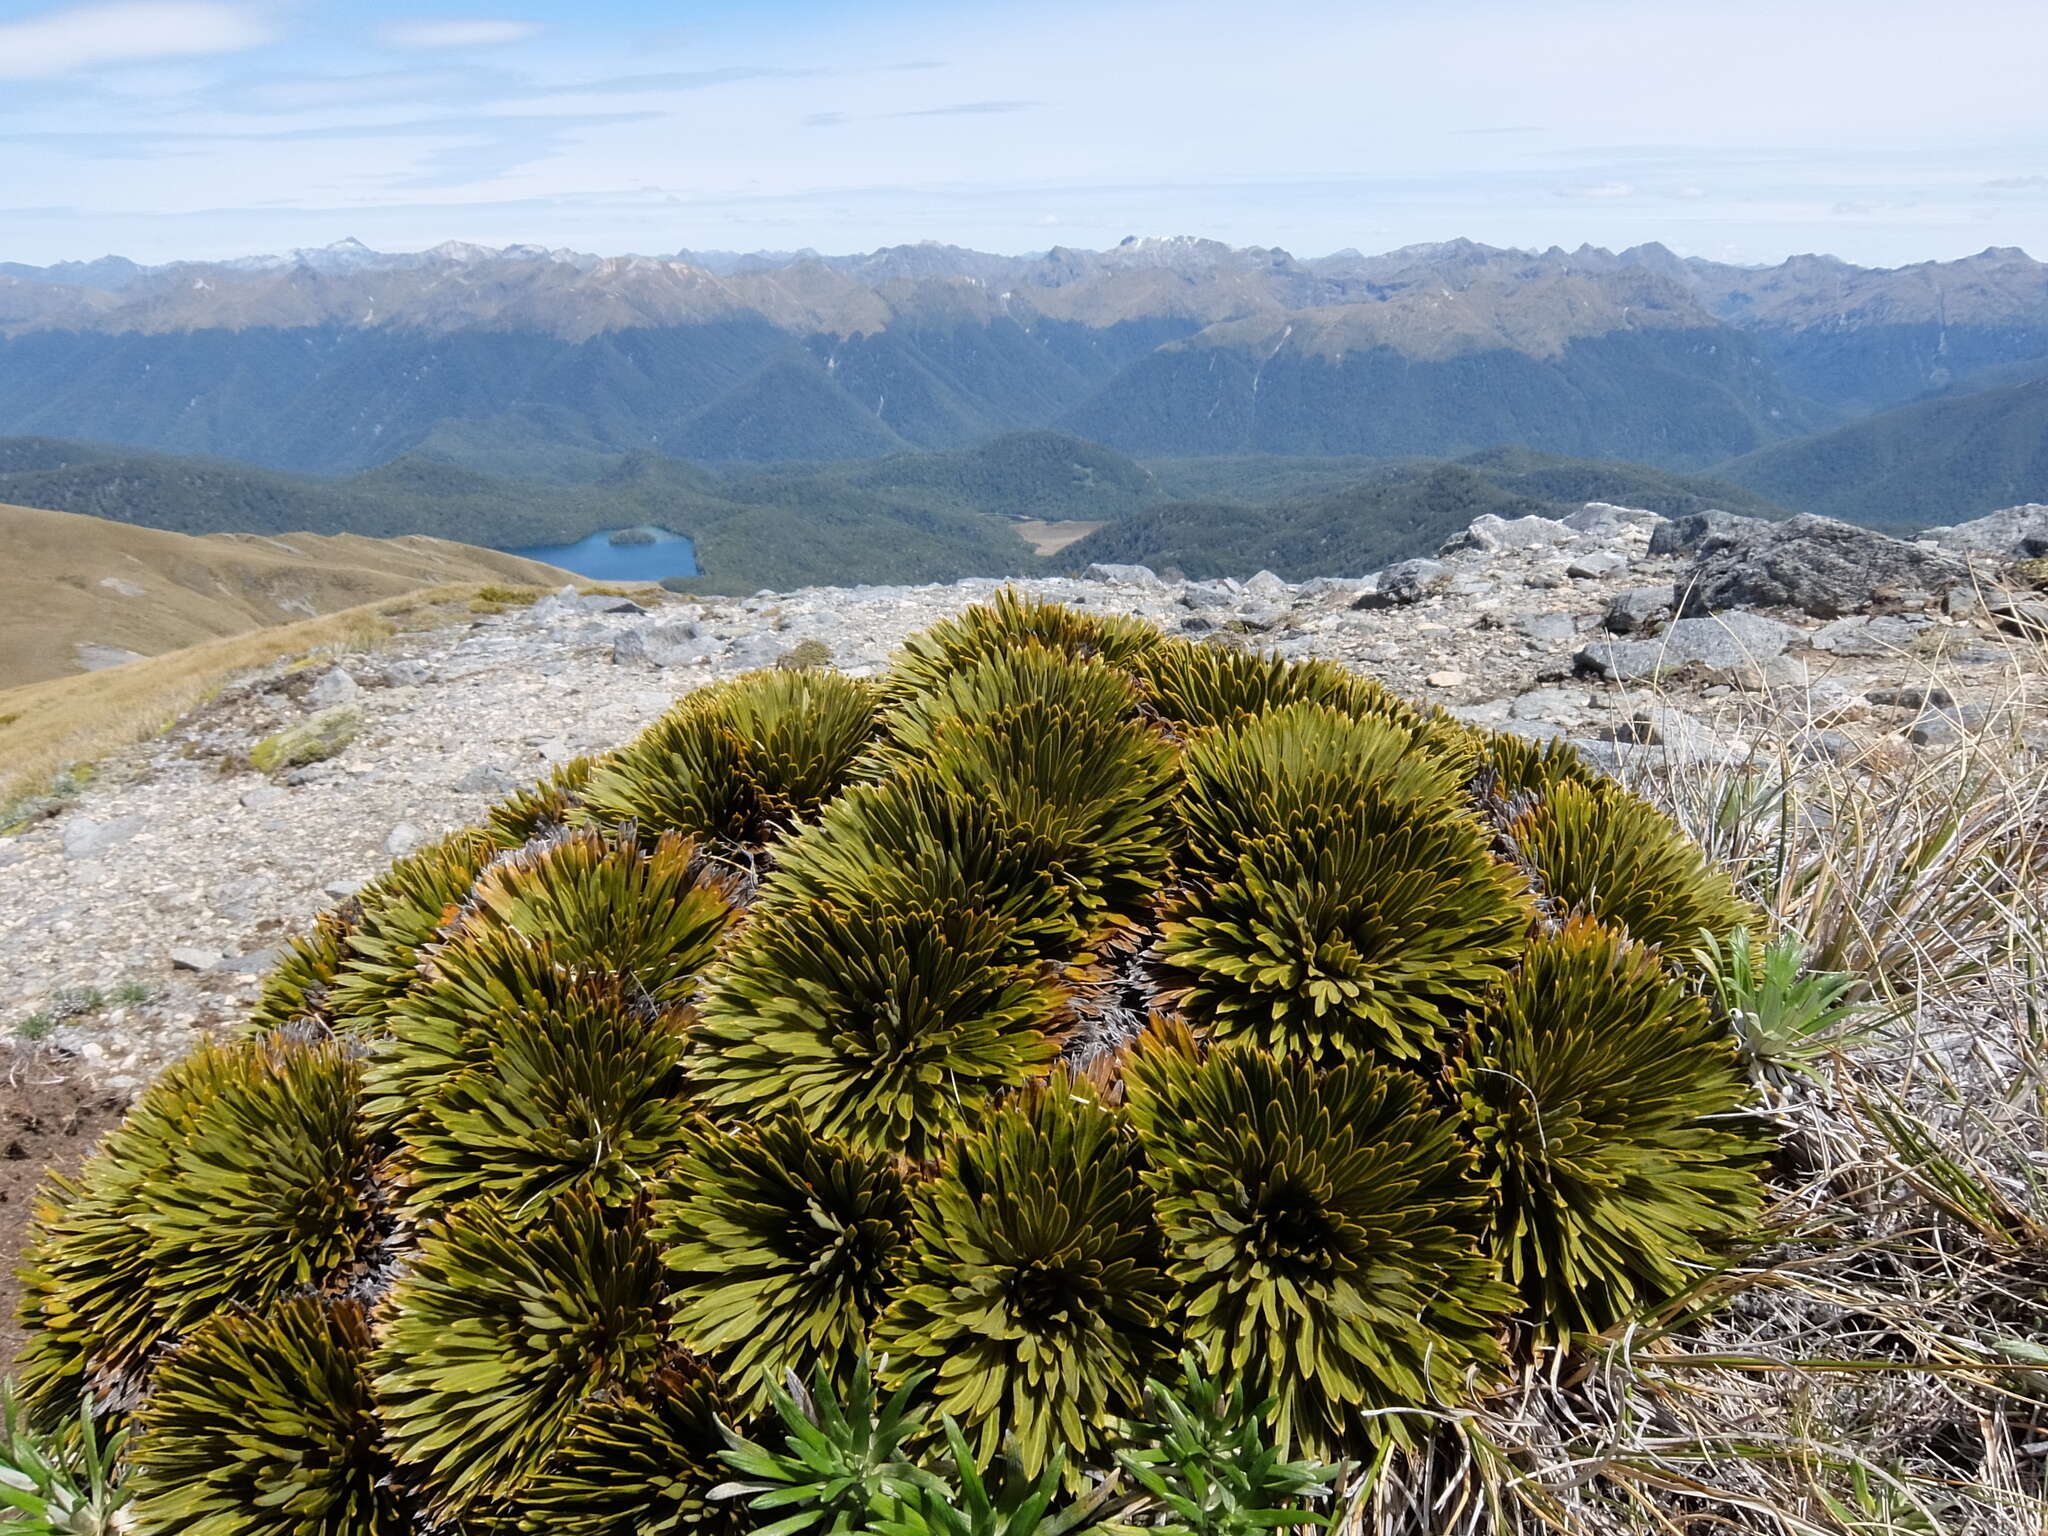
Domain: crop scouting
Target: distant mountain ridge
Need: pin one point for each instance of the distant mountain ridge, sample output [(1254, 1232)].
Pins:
[(342, 358)]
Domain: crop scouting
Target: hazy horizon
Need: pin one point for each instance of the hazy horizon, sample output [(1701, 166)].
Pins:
[(802, 252), (1882, 132)]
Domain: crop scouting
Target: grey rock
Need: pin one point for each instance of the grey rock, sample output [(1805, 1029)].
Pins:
[(255, 963), (194, 959), (1488, 533), (310, 773), (341, 890), (1817, 565), (1684, 535), (1935, 730), (334, 688), (2023, 616), (763, 648), (677, 643), (2013, 533), (406, 674), (1861, 634), (264, 797), (1469, 586), (1332, 586), (1681, 737), (1774, 672), (404, 838), (1547, 626), (1911, 697), (1733, 642), (1493, 712), (1129, 575), (484, 779), (1534, 730), (1637, 608), (599, 603), (1549, 704), (1407, 582), (1262, 616), (1824, 746), (1607, 517), (85, 839), (1267, 587), (1601, 562), (1206, 596)]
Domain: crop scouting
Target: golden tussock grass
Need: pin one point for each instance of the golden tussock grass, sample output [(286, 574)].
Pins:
[(47, 727)]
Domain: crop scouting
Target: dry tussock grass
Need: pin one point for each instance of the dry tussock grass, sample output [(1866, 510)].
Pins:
[(47, 727), (1879, 1364)]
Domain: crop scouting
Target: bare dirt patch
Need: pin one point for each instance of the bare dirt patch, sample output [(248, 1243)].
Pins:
[(1050, 538), (50, 1118)]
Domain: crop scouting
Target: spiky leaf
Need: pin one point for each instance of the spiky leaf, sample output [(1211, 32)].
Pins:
[(1340, 899), (1055, 742), (1010, 623), (541, 809), (888, 1029), (739, 761), (1602, 1100), (1037, 1289), (263, 1425), (782, 1249), (639, 1465), (239, 1176), (1324, 1231), (499, 1335), (1607, 854), (399, 914)]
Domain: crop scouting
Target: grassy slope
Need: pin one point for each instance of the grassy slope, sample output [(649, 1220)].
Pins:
[(51, 725), (54, 592)]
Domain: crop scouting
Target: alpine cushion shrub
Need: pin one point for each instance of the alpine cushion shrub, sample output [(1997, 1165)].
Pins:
[(770, 1044)]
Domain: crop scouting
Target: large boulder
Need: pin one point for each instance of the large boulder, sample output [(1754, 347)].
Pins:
[(2011, 533), (1407, 582), (1489, 533), (1728, 644), (1817, 565), (1684, 535)]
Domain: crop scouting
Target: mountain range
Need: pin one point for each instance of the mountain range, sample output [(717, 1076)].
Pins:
[(558, 363)]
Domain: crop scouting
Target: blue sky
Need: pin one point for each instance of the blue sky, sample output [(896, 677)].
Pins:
[(1885, 131)]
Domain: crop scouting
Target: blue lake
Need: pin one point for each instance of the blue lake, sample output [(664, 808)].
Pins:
[(671, 554)]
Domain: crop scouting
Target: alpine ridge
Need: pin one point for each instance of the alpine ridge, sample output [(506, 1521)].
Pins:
[(341, 358)]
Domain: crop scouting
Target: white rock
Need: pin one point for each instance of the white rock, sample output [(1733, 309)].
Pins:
[(335, 687), (184, 959), (1489, 533), (84, 838), (403, 839)]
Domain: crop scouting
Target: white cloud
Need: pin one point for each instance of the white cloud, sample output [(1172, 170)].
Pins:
[(457, 34), (83, 37), (1602, 191)]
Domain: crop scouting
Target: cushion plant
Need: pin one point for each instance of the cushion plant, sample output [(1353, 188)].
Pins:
[(770, 1040)]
